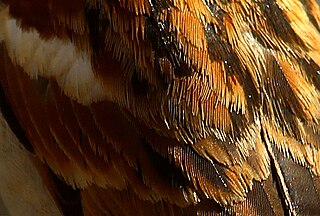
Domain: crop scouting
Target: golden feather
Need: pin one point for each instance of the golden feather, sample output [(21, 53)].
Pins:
[(170, 107)]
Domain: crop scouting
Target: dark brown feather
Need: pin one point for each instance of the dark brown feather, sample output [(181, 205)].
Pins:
[(208, 108)]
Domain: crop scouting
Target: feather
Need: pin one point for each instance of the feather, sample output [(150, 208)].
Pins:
[(169, 107)]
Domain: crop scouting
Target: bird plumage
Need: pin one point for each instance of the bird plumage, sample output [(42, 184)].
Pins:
[(170, 107)]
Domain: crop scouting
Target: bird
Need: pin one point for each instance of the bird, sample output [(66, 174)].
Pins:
[(165, 107)]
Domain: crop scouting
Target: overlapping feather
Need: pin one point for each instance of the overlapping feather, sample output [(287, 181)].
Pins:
[(217, 91)]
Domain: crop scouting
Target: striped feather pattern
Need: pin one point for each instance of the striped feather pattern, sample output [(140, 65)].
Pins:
[(170, 107)]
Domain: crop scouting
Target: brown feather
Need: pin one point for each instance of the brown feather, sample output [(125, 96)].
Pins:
[(170, 107)]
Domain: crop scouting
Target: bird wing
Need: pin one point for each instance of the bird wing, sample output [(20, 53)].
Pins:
[(170, 107)]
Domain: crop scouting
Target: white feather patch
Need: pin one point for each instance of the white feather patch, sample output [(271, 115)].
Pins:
[(55, 59)]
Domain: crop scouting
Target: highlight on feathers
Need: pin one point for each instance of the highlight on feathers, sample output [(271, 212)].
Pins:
[(170, 107)]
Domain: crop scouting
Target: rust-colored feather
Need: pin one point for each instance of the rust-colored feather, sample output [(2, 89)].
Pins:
[(169, 107)]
